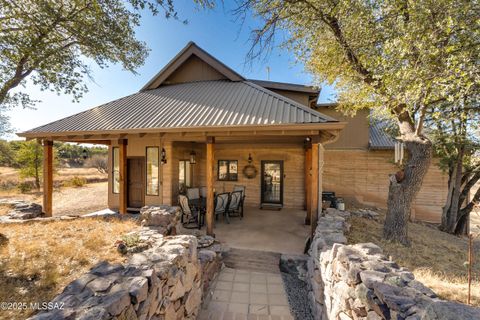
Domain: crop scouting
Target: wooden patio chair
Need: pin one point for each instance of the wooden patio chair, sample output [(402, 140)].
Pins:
[(222, 201), (235, 205), (191, 217)]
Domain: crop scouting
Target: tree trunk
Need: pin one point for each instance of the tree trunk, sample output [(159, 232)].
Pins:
[(402, 193)]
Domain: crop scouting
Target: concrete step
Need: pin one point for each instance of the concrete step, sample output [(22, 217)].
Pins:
[(253, 260)]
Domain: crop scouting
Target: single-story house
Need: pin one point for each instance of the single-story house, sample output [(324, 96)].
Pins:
[(199, 123)]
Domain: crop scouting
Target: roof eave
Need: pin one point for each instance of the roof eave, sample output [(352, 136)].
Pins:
[(330, 125)]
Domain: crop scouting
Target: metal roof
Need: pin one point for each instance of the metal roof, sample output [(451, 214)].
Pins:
[(379, 139), (286, 86), (190, 105)]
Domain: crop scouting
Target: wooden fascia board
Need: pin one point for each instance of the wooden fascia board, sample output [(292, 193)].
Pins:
[(277, 129)]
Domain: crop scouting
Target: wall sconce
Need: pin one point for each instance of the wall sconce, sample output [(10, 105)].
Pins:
[(250, 160), (163, 158), (193, 156)]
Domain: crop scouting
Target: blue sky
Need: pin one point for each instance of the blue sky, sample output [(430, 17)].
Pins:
[(216, 31)]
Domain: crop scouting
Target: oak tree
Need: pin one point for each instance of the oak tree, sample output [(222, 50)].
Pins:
[(398, 58)]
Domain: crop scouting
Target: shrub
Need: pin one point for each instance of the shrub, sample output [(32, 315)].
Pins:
[(25, 186), (75, 182)]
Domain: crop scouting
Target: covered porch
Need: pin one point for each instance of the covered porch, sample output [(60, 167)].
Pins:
[(282, 231)]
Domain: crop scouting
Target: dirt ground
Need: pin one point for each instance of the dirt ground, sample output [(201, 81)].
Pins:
[(66, 200), (70, 200)]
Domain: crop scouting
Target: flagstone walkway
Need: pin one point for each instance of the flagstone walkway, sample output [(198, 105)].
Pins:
[(247, 295)]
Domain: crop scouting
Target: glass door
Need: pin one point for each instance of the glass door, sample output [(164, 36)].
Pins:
[(272, 182)]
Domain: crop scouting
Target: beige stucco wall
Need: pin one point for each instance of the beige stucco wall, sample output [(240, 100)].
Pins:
[(363, 175), (355, 135)]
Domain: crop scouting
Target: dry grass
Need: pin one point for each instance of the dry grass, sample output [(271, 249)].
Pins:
[(4, 209), (437, 259), (40, 258), (12, 174)]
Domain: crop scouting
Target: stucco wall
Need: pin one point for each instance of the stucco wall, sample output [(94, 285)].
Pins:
[(363, 175)]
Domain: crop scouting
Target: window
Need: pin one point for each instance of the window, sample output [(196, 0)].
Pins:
[(116, 170), (227, 170), (152, 171), (184, 174)]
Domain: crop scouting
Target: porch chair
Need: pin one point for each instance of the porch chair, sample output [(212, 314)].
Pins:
[(191, 217), (203, 192), (193, 193), (221, 205), (236, 204), (241, 188)]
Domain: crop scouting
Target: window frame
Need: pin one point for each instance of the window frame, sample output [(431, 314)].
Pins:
[(229, 174), (146, 170)]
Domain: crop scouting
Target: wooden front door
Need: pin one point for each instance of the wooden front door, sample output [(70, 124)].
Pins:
[(136, 182)]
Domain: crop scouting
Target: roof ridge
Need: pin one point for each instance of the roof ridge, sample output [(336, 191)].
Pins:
[(291, 101)]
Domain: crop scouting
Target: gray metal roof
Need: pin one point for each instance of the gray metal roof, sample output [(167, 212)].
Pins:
[(379, 139), (189, 105), (286, 86)]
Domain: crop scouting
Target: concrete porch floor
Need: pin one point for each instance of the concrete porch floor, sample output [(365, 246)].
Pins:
[(281, 231)]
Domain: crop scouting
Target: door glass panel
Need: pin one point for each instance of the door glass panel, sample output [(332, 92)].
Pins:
[(152, 171), (272, 182)]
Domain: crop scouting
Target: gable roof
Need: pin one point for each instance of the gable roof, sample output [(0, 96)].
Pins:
[(191, 49), (187, 106)]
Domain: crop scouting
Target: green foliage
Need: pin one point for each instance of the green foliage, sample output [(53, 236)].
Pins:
[(7, 154), (131, 240), (398, 58), (25, 186), (52, 43), (30, 160)]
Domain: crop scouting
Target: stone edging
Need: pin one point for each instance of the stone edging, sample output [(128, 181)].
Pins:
[(359, 282)]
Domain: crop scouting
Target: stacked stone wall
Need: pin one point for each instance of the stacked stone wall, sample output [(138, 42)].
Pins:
[(359, 282)]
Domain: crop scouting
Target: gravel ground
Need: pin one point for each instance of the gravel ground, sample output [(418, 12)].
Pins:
[(297, 294), (293, 270)]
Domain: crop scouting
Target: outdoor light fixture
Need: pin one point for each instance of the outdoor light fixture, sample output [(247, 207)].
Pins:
[(250, 160), (163, 159), (193, 156), (85, 154)]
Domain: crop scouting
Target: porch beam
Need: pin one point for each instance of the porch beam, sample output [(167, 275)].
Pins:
[(308, 187), (47, 177), (210, 216), (122, 152)]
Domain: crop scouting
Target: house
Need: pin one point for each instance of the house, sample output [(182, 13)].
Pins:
[(199, 123)]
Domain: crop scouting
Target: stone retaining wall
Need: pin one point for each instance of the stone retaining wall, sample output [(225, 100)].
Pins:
[(359, 282), (164, 281)]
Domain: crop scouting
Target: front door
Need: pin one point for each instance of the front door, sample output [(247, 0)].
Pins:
[(272, 182), (136, 182)]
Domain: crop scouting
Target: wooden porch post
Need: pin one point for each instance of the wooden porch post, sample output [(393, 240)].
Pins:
[(210, 180), (314, 196), (308, 189), (47, 177), (122, 153)]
